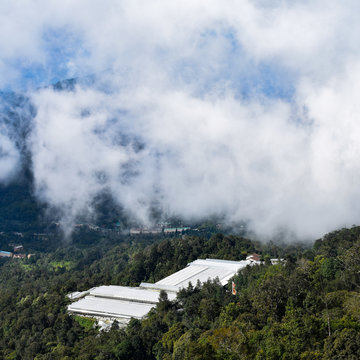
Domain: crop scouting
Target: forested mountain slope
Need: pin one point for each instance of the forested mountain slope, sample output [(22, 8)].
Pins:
[(304, 308)]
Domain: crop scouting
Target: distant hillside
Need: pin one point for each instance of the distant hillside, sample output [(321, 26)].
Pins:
[(20, 209), (306, 307)]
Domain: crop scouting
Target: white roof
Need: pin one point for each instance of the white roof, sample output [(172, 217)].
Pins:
[(105, 307), (78, 295), (168, 288), (124, 302), (203, 270), (128, 293)]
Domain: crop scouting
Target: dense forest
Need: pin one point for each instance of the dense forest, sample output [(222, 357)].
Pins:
[(306, 307)]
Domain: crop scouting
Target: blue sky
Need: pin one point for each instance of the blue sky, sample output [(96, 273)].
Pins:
[(61, 48)]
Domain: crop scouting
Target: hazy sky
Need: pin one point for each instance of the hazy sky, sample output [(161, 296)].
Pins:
[(243, 108)]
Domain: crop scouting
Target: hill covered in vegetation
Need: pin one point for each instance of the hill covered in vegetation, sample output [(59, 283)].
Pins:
[(306, 307)]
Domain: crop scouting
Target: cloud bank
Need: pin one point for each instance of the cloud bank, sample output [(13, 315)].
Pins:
[(247, 109)]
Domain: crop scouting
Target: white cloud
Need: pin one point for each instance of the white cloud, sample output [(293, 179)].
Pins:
[(175, 73), (9, 159)]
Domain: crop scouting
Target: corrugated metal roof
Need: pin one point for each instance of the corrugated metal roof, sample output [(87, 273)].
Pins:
[(124, 302), (203, 270), (97, 306), (233, 265), (78, 294), (180, 276), (129, 293), (168, 288)]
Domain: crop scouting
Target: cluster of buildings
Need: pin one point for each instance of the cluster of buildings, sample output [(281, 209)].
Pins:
[(16, 254), (123, 303), (87, 227), (6, 254), (159, 230)]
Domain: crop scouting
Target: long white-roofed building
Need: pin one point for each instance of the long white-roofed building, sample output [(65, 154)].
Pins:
[(122, 302), (200, 270), (117, 302)]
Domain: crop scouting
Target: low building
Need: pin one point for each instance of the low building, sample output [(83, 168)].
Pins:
[(122, 303), (19, 256), (78, 295), (117, 302), (200, 270), (253, 257), (170, 230), (5, 254), (176, 230), (152, 231), (135, 231), (18, 248), (145, 231)]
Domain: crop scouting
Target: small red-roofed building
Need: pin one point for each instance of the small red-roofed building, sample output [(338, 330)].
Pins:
[(253, 257), (18, 248)]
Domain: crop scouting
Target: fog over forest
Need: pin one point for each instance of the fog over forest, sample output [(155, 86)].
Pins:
[(246, 109)]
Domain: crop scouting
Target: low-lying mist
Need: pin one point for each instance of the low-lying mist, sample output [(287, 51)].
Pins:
[(244, 110), (259, 160)]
